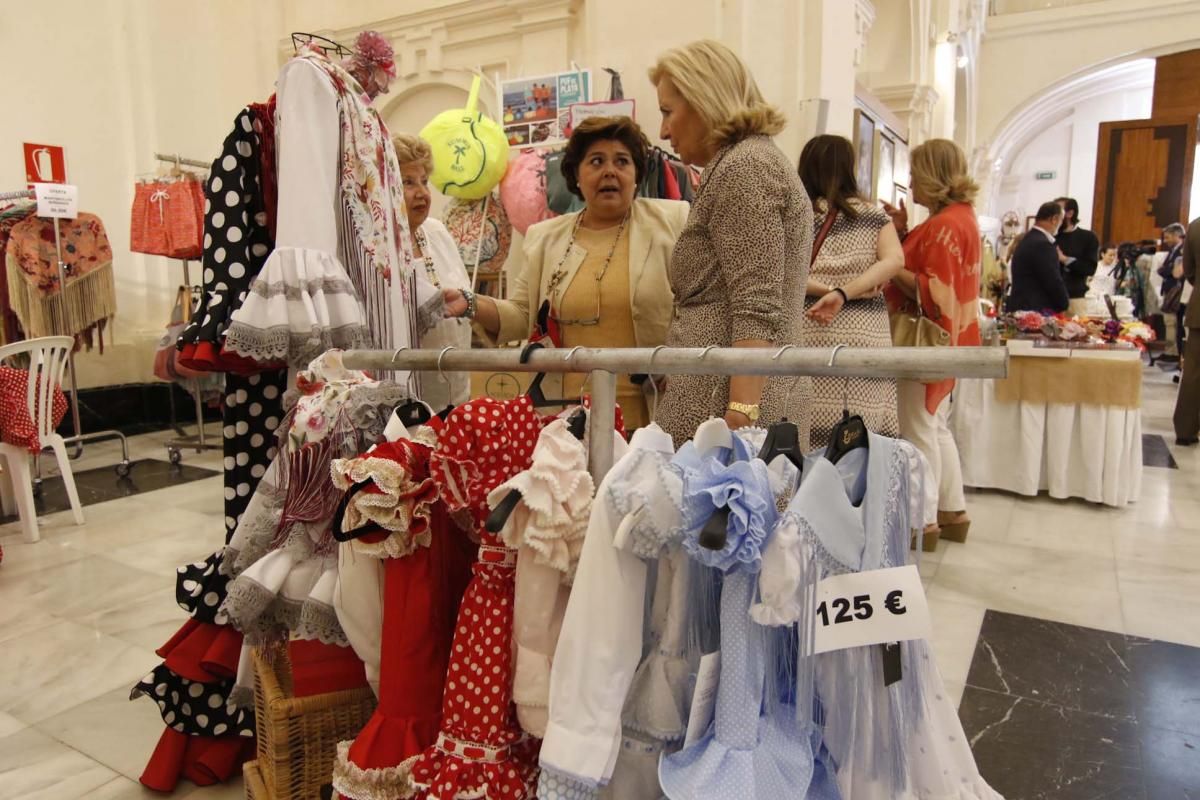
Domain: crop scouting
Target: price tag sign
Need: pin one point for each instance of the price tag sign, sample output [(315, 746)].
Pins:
[(876, 607), (57, 200)]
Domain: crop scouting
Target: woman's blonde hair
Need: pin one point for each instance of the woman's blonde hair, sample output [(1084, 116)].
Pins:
[(940, 174), (719, 86), (413, 150)]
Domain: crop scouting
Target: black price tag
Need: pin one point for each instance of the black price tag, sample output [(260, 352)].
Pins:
[(892, 671)]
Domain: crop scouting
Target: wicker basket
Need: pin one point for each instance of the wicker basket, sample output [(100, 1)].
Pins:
[(252, 777), (298, 737)]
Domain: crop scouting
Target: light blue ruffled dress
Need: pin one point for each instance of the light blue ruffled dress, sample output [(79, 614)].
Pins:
[(899, 742), (756, 747)]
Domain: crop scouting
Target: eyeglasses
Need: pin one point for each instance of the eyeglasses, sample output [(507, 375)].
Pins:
[(594, 320)]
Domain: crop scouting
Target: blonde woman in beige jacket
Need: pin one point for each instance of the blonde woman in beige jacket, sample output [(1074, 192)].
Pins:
[(600, 274)]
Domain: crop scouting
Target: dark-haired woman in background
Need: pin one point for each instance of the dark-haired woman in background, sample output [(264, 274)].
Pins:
[(600, 273), (860, 253)]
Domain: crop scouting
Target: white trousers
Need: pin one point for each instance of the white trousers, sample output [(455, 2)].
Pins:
[(931, 435)]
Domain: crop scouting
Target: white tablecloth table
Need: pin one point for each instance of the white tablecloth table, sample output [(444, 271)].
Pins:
[(1089, 451)]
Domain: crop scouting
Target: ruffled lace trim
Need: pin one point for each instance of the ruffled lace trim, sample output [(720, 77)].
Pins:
[(303, 290), (387, 783), (318, 622), (398, 504), (280, 342), (451, 777), (264, 616), (556, 491)]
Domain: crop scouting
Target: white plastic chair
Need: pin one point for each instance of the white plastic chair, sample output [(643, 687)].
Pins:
[(47, 359)]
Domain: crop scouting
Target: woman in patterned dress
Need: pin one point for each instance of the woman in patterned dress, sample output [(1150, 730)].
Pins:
[(739, 269), (860, 253), (942, 265)]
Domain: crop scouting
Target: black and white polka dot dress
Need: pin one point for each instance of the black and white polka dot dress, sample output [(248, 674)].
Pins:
[(237, 237), (192, 685)]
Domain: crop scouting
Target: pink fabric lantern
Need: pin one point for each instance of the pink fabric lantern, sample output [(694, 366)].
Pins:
[(523, 190)]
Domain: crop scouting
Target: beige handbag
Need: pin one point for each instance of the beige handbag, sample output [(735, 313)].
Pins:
[(916, 331)]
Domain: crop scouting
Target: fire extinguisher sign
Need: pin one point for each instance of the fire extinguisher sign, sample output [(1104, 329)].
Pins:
[(45, 163)]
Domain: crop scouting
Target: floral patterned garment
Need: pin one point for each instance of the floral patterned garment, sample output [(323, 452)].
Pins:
[(85, 248), (377, 249), (481, 751), (945, 254), (90, 298)]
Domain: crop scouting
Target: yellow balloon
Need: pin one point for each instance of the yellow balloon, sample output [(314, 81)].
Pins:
[(470, 151)]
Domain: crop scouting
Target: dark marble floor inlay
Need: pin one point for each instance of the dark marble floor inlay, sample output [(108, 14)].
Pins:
[(1059, 712), (1155, 452), (102, 483)]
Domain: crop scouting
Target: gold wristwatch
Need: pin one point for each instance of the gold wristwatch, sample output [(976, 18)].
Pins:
[(749, 409)]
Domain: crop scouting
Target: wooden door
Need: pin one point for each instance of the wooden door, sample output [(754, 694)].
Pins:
[(1143, 177)]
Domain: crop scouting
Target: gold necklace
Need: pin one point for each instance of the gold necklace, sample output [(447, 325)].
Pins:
[(559, 273), (430, 269)]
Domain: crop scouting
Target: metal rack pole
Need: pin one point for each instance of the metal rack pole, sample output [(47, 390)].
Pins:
[(604, 364), (602, 420), (191, 162), (901, 363), (79, 438), (199, 442)]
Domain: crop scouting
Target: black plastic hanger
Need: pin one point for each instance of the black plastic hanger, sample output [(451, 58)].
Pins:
[(849, 434), (715, 532), (412, 413), (339, 513), (535, 392), (783, 439)]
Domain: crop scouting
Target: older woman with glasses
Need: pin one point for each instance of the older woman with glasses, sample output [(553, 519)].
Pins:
[(598, 277)]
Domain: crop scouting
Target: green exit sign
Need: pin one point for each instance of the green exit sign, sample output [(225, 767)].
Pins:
[(1045, 176)]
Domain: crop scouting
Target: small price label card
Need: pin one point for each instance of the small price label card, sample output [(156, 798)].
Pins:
[(704, 699), (57, 200), (876, 607)]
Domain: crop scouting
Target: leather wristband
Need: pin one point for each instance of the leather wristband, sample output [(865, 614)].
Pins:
[(842, 292)]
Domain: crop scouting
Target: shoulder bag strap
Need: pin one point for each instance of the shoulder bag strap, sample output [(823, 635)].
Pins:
[(830, 218)]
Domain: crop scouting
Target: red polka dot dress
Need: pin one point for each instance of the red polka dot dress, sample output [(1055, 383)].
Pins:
[(398, 516), (481, 751)]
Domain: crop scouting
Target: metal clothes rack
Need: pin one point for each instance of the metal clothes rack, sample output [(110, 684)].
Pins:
[(123, 468), (198, 442), (605, 363)]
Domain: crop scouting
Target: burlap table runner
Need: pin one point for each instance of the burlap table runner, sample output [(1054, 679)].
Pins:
[(1072, 381)]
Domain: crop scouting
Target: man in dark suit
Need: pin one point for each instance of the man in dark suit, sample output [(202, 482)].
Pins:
[(1037, 279), (1187, 403)]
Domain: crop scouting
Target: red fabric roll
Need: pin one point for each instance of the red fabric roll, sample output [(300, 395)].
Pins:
[(202, 760)]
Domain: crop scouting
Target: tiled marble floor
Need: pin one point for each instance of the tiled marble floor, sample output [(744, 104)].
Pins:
[(1083, 713), (82, 611)]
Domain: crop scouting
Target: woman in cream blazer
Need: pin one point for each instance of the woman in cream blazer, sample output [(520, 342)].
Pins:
[(596, 278)]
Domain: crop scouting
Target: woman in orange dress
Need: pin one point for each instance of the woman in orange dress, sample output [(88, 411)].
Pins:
[(942, 267)]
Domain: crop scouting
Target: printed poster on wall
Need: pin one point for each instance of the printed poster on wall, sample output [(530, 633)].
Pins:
[(601, 108), (535, 110)]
